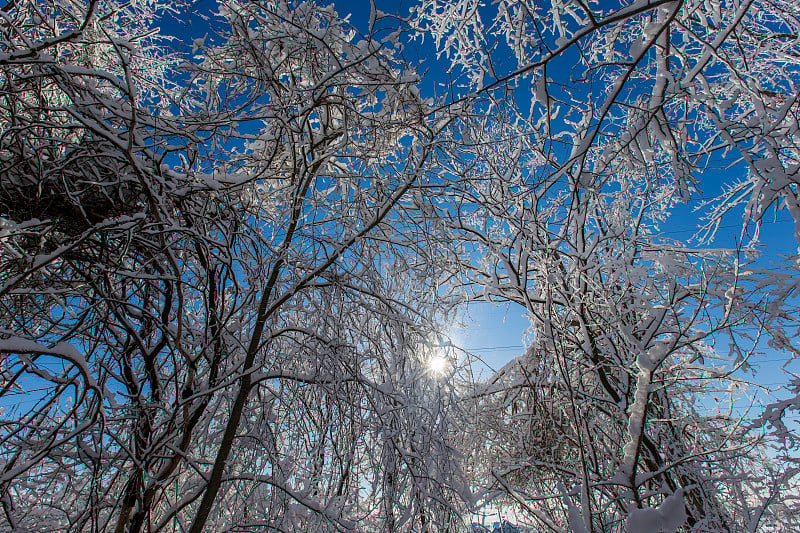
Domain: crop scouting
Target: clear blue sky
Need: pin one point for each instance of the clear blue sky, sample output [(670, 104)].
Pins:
[(496, 332)]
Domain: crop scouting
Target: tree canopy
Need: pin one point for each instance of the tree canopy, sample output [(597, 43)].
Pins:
[(227, 263)]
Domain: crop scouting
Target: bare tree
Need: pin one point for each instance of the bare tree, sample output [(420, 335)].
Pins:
[(580, 127), (207, 295), (598, 418)]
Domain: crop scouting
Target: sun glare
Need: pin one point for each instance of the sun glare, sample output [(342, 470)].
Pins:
[(438, 364)]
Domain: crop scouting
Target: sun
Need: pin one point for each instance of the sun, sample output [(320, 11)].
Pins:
[(438, 363)]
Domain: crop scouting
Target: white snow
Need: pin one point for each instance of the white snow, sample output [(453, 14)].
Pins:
[(666, 518)]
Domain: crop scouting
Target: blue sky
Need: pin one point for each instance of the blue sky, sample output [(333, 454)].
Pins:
[(497, 332)]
